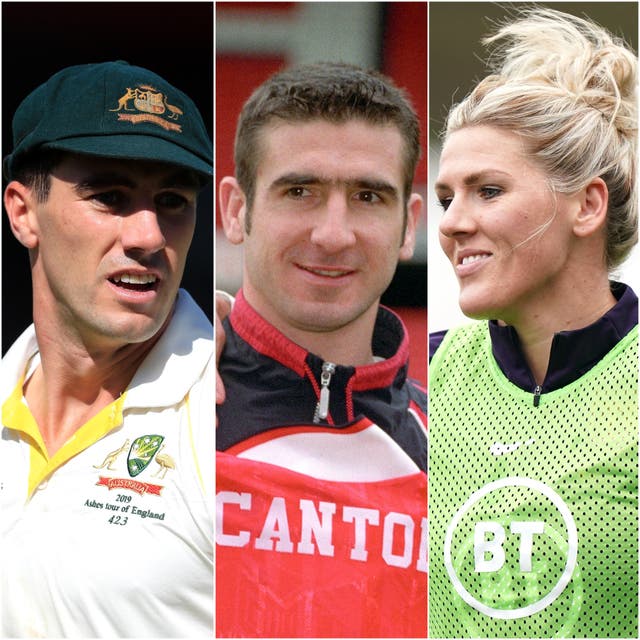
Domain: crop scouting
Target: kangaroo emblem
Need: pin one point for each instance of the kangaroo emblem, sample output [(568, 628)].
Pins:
[(122, 102), (164, 461), (112, 457), (175, 111)]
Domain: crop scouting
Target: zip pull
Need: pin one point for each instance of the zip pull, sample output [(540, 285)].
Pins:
[(536, 395), (322, 408)]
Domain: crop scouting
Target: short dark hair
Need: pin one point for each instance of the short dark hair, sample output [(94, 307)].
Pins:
[(335, 92), (34, 170)]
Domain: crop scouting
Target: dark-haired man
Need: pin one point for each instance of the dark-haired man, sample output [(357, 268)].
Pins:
[(321, 503), (106, 427)]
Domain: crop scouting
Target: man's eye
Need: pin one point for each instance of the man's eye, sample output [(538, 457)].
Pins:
[(298, 192), (445, 203), (111, 199), (171, 201), (369, 197)]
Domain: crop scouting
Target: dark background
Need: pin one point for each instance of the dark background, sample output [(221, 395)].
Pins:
[(173, 39)]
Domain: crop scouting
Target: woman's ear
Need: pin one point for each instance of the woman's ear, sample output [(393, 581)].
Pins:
[(592, 215)]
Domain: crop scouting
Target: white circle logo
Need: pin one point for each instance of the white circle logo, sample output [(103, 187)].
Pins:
[(536, 487)]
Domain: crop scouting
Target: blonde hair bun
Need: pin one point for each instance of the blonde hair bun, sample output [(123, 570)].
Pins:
[(573, 56)]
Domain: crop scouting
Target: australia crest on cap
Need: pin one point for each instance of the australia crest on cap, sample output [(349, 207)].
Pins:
[(144, 103)]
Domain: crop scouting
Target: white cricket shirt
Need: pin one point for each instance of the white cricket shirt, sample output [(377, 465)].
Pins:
[(112, 535)]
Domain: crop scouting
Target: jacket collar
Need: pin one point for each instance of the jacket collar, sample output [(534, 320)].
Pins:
[(573, 353), (389, 342)]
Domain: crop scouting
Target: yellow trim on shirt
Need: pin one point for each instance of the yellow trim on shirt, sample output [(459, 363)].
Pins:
[(17, 416), (194, 450)]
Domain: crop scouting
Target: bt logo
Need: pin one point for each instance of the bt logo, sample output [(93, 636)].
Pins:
[(511, 549), (488, 544)]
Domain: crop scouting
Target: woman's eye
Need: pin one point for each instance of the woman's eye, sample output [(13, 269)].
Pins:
[(490, 192), (445, 202)]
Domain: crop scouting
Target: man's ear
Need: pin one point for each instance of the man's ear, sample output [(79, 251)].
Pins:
[(233, 209), (592, 215), (414, 209), (19, 203)]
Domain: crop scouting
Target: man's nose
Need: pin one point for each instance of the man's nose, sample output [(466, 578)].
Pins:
[(141, 230), (333, 228)]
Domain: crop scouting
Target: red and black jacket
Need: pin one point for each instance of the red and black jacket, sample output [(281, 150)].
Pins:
[(271, 382)]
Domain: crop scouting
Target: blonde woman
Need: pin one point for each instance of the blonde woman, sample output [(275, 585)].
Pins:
[(534, 408)]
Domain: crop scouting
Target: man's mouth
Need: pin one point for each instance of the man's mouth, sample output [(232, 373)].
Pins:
[(135, 281), (326, 272)]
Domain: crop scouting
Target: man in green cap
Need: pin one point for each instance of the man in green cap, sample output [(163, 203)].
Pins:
[(106, 465)]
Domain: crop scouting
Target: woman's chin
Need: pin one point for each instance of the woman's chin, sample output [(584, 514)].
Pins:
[(476, 308)]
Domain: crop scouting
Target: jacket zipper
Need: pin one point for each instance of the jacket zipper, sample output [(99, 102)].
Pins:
[(322, 408), (536, 395)]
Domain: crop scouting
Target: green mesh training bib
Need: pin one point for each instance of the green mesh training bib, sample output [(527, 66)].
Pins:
[(533, 511)]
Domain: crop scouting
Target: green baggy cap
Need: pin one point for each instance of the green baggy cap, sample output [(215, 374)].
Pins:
[(112, 110)]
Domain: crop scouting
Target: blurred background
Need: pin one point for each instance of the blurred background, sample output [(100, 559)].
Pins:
[(256, 39), (456, 58), (173, 39)]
